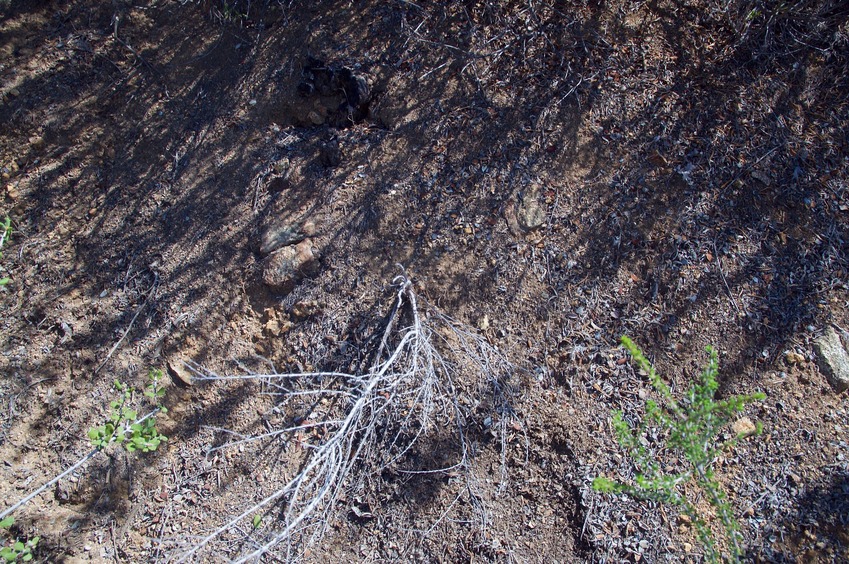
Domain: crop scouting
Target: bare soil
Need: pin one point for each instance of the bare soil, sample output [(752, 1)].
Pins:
[(552, 174)]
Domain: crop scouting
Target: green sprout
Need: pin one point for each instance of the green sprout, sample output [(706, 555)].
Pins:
[(124, 428), (691, 427), (18, 550)]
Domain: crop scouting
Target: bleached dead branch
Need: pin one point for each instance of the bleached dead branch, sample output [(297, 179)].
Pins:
[(409, 390)]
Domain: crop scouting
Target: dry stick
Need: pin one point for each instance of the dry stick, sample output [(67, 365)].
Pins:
[(79, 463), (130, 326), (724, 281)]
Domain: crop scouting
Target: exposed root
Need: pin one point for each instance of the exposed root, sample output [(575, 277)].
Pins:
[(409, 391)]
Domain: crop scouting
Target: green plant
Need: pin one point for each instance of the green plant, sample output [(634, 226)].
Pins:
[(5, 235), (18, 549), (122, 426), (690, 428)]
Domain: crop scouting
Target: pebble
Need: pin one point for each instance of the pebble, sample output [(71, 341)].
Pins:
[(281, 165), (483, 324), (833, 359), (284, 267), (529, 214), (177, 370), (743, 426), (792, 357), (305, 308), (275, 327), (278, 236)]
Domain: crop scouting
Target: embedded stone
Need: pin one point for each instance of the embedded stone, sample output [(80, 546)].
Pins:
[(833, 359)]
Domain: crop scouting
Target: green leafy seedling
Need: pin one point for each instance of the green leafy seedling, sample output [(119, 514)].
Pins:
[(257, 522), (122, 426), (690, 427), (18, 550)]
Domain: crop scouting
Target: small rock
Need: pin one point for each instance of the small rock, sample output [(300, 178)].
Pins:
[(483, 324), (315, 118), (743, 426), (529, 214), (282, 165), (278, 236), (308, 228), (36, 143), (178, 371), (792, 357), (305, 309), (276, 327), (12, 192), (761, 177), (272, 328), (284, 267), (833, 359), (14, 92)]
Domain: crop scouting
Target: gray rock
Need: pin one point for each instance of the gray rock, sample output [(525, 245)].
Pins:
[(278, 236), (833, 359), (530, 214), (285, 267)]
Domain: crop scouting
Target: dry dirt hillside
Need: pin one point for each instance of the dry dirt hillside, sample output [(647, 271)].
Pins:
[(429, 222)]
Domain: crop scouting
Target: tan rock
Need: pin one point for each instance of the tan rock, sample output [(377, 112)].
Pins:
[(284, 267), (177, 369), (743, 426)]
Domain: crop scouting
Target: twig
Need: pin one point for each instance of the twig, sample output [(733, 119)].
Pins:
[(130, 326), (724, 281), (24, 501)]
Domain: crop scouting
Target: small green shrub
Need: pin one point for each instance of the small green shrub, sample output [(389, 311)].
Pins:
[(122, 426), (690, 428), (18, 550)]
